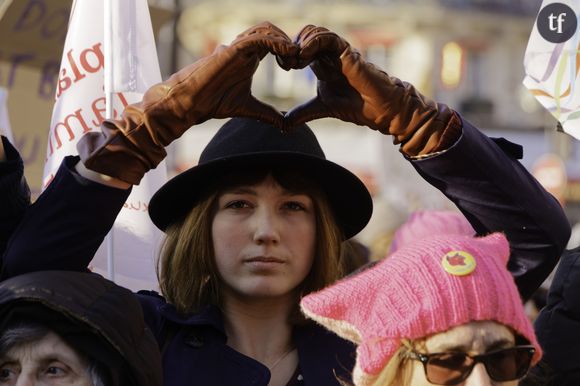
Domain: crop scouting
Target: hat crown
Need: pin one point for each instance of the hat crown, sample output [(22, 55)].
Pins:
[(242, 145), (248, 136)]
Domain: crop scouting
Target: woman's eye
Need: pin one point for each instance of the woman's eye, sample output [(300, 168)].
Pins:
[(6, 374), (294, 205), (238, 204), (55, 371)]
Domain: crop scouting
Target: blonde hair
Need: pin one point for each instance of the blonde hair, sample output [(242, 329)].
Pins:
[(187, 272), (398, 371)]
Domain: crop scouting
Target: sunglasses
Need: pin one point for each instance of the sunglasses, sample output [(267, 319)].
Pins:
[(453, 368)]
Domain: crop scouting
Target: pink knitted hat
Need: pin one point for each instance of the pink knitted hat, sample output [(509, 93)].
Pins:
[(426, 223), (424, 288)]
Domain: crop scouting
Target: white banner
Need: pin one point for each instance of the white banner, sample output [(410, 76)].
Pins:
[(552, 62), (80, 107), (131, 42)]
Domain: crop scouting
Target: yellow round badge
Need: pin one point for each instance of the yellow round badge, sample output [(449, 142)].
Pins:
[(458, 263)]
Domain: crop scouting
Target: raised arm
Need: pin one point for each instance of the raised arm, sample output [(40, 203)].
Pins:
[(483, 179), (496, 193), (14, 191), (68, 222)]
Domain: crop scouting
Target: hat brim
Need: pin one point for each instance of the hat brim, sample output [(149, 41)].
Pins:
[(348, 197)]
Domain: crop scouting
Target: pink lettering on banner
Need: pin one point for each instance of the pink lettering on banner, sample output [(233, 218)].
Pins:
[(78, 123), (76, 67), (81, 121), (139, 206), (67, 125), (48, 181), (123, 101), (99, 110)]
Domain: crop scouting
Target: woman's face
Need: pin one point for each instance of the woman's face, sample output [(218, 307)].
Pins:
[(48, 361), (264, 239), (472, 338)]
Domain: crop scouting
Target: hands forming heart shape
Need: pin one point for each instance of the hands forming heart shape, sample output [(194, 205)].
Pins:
[(219, 86), (349, 88)]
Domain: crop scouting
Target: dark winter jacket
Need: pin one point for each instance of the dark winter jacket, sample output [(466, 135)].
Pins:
[(558, 324), (93, 315), (481, 176), (195, 348), (14, 192)]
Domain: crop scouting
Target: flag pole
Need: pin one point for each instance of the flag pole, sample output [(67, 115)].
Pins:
[(108, 74)]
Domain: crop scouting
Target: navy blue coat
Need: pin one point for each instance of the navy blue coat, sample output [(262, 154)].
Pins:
[(200, 340), (481, 176), (558, 324), (14, 193)]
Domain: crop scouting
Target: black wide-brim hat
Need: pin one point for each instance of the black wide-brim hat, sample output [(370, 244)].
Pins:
[(243, 143)]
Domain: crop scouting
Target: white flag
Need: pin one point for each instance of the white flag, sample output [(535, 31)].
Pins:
[(5, 129), (552, 62), (80, 107), (129, 42)]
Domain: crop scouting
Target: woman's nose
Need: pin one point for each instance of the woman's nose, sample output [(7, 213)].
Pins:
[(24, 380), (479, 377), (266, 226)]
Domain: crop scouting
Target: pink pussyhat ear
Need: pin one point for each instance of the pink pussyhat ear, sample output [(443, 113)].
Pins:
[(497, 247), (428, 223), (371, 358), (336, 308)]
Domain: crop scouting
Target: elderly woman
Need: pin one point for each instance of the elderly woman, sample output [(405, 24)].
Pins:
[(441, 311), (71, 328)]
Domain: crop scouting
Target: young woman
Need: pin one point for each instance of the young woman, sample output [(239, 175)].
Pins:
[(259, 222), (443, 310)]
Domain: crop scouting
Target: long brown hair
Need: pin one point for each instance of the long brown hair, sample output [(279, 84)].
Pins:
[(187, 272)]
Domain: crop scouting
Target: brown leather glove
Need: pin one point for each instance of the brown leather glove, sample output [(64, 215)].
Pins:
[(355, 91), (216, 86)]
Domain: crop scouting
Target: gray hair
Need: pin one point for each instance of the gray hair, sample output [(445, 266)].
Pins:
[(28, 332)]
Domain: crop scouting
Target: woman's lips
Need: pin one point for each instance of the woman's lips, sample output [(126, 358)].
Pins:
[(263, 259)]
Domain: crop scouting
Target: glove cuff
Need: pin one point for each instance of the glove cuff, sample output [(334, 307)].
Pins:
[(114, 154)]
